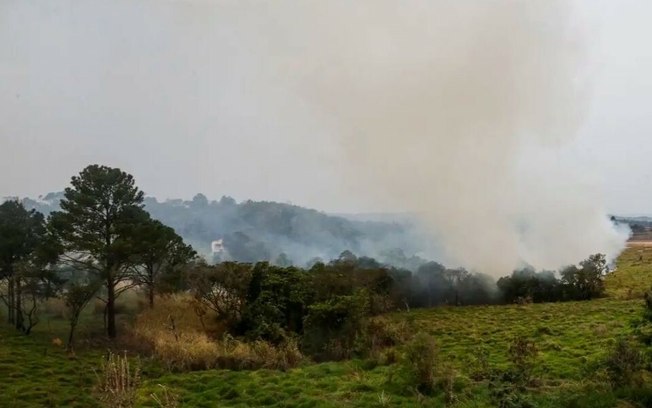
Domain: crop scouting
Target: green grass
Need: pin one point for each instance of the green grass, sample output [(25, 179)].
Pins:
[(633, 275), (570, 336), (36, 373), (565, 333)]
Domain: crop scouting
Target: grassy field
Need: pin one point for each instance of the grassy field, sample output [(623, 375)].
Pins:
[(632, 276), (570, 336)]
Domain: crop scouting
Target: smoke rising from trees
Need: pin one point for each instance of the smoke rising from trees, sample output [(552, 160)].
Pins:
[(455, 111)]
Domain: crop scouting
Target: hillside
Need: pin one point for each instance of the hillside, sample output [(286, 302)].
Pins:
[(572, 337), (259, 230)]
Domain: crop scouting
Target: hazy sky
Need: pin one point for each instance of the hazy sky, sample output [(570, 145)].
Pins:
[(178, 94)]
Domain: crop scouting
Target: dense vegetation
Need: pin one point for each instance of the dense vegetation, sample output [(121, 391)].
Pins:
[(275, 232), (152, 296)]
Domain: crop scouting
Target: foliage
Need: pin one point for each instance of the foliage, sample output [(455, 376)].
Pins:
[(276, 303), (95, 227), (624, 363), (222, 288), (25, 280), (333, 327), (435, 285), (178, 338), (159, 250), (585, 282), (576, 332), (421, 360), (508, 387), (76, 296)]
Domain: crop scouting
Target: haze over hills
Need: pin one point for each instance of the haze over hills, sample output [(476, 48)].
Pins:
[(253, 231), (283, 233)]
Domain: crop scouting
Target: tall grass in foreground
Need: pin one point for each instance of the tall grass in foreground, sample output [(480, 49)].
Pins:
[(117, 381)]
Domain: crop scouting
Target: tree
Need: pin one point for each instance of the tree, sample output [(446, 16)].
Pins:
[(95, 227), (585, 282), (332, 327), (276, 302), (199, 201), (35, 283), (76, 297), (22, 234), (222, 288), (283, 260), (159, 249)]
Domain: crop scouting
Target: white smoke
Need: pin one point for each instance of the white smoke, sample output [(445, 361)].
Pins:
[(454, 111)]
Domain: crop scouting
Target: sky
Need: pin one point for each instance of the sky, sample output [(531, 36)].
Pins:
[(185, 96)]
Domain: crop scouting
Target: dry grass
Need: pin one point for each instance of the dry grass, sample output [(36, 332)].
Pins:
[(165, 398), (185, 340), (117, 381)]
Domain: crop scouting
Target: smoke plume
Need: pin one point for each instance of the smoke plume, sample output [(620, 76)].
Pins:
[(455, 111), (458, 112)]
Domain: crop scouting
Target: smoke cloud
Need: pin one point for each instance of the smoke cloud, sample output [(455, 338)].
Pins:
[(457, 112)]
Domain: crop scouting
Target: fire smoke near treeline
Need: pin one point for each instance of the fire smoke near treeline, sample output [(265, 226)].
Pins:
[(455, 111)]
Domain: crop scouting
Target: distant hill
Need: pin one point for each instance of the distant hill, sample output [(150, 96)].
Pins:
[(259, 230)]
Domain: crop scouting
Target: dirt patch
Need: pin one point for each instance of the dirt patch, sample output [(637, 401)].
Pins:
[(639, 243)]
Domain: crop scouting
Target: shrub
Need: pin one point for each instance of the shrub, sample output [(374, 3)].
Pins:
[(186, 351), (178, 313), (420, 360), (383, 332), (238, 355), (508, 388), (332, 328), (624, 364), (479, 364), (523, 354), (117, 381), (647, 311), (176, 335)]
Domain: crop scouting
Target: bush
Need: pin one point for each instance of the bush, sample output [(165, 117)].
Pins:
[(523, 354), (332, 328), (479, 363), (421, 358), (186, 351), (241, 355), (177, 337), (508, 388), (179, 313), (624, 364)]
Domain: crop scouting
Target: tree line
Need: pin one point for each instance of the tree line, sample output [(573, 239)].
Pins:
[(102, 242)]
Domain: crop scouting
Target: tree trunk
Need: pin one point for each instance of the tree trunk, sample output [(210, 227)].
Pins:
[(110, 309), (151, 296), (18, 305), (73, 325), (11, 316)]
